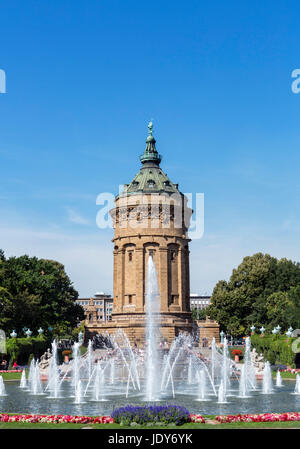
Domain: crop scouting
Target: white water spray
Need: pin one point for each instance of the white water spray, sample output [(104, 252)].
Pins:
[(297, 385), (202, 390), (278, 379), (23, 382), (152, 329), (78, 392), (222, 394), (267, 379), (2, 387), (34, 378), (53, 374), (98, 391)]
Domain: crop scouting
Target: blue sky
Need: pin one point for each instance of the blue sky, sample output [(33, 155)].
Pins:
[(83, 80)]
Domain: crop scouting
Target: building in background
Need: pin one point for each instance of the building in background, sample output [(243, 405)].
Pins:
[(198, 302), (100, 307)]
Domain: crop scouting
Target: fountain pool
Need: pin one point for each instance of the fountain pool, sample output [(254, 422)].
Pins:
[(21, 401), (204, 381)]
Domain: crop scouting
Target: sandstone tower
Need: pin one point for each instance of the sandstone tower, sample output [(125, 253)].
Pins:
[(150, 217)]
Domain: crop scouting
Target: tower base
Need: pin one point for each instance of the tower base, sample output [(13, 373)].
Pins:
[(134, 324)]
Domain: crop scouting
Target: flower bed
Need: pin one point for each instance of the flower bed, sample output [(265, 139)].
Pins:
[(165, 415), (56, 419), (158, 414), (265, 417), (11, 371), (170, 414), (196, 419)]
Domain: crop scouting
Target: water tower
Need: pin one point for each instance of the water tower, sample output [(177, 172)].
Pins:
[(150, 217)]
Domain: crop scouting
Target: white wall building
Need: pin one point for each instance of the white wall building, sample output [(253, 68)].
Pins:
[(199, 301), (103, 304)]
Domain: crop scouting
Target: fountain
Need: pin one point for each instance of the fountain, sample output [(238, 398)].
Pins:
[(243, 389), (202, 390), (152, 327), (213, 358), (121, 372), (226, 367), (184, 371), (267, 379), (53, 374), (34, 378), (297, 385), (278, 379), (98, 391), (190, 371), (247, 377), (23, 382), (76, 363), (112, 371), (90, 358), (249, 367), (2, 387), (222, 393), (78, 392)]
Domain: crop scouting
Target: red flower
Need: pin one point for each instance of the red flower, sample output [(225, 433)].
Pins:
[(237, 352)]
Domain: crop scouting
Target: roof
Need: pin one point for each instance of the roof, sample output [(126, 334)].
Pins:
[(150, 178)]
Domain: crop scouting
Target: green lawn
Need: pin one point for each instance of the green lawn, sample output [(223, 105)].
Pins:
[(284, 375), (11, 376)]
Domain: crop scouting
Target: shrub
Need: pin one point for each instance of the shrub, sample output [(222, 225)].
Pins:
[(275, 348), (146, 414), (21, 348)]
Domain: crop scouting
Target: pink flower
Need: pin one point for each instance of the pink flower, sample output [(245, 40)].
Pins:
[(197, 419), (56, 419)]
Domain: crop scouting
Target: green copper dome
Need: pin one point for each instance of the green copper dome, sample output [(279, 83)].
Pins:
[(150, 178)]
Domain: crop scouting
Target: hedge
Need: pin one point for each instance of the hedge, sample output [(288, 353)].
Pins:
[(275, 348), (22, 349)]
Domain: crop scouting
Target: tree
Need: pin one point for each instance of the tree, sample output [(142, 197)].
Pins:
[(277, 305), (198, 314), (247, 298), (5, 308), (36, 292), (293, 312)]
